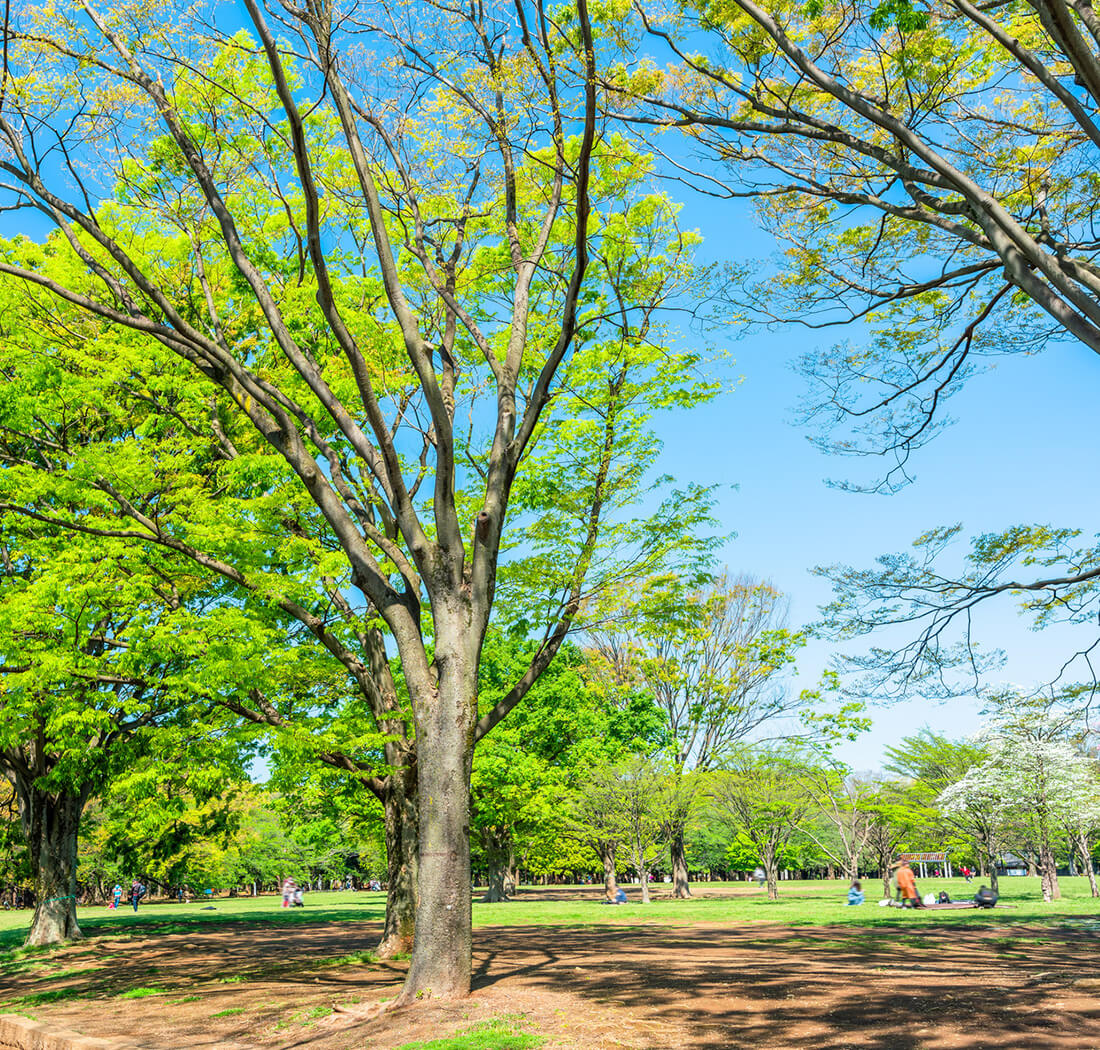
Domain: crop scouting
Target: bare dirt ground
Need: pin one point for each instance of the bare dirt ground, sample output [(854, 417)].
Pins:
[(706, 986)]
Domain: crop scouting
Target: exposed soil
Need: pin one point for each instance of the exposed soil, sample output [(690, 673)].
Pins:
[(710, 986)]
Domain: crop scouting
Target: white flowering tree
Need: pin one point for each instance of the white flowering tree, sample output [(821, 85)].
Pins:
[(1036, 776), (1081, 816)]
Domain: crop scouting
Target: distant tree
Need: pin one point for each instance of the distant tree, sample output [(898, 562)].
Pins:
[(618, 802), (1034, 774), (14, 858), (891, 823), (761, 793), (843, 815), (100, 650), (933, 763), (713, 659)]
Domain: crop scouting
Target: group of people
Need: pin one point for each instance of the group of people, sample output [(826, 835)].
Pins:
[(137, 893), (908, 896)]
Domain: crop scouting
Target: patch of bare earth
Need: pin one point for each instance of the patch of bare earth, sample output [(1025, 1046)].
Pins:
[(751, 986)]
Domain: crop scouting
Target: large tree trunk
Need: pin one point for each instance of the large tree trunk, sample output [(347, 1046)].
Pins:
[(402, 860), (442, 948), (607, 850), (680, 880), (51, 823), (643, 875)]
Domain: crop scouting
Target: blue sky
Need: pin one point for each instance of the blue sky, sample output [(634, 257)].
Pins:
[(1020, 452)]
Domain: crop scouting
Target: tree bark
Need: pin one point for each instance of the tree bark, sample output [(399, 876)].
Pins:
[(1049, 873), (681, 886), (884, 871), (402, 861), (1081, 844), (606, 850), (767, 858), (443, 944), (851, 868), (51, 823), (499, 856), (511, 871)]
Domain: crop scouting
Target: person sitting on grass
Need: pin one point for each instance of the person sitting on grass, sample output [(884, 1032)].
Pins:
[(855, 892), (618, 897), (907, 887)]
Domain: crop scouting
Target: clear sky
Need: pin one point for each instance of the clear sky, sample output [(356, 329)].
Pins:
[(1020, 452)]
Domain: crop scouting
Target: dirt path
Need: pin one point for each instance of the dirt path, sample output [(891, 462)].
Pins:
[(750, 987)]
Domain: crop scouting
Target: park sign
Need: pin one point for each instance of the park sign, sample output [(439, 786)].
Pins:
[(922, 858)]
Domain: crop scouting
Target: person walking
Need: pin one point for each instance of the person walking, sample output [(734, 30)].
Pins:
[(137, 891), (116, 896), (289, 886)]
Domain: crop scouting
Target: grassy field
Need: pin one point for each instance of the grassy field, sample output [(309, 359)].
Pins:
[(800, 903)]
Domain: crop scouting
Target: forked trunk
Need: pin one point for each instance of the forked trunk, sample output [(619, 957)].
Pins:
[(441, 958), (680, 879), (402, 860), (51, 823), (607, 852)]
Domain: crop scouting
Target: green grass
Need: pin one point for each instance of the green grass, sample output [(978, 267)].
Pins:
[(498, 1034), (800, 903), (231, 1012), (141, 993), (817, 903)]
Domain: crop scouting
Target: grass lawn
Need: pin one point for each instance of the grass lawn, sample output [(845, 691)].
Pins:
[(801, 903)]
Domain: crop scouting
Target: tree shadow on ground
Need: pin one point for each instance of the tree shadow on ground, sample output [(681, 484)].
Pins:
[(826, 988)]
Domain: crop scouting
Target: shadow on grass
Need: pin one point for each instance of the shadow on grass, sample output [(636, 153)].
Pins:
[(152, 922)]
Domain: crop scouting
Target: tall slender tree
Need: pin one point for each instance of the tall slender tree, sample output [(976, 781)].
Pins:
[(713, 660)]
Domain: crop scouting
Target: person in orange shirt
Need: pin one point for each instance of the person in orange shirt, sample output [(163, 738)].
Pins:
[(907, 886)]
